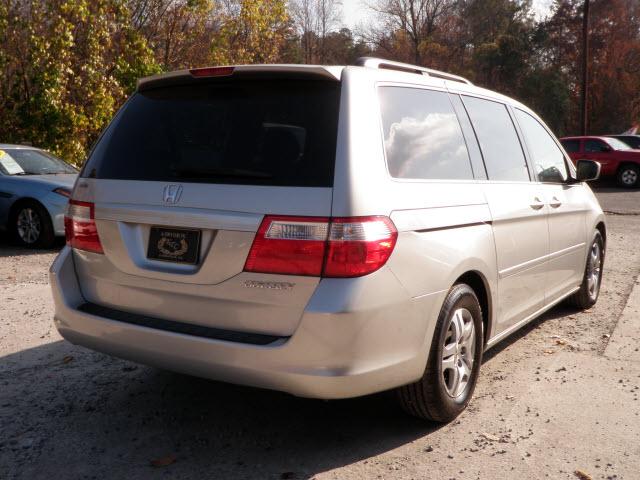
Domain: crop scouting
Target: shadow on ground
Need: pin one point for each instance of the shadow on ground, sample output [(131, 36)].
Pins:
[(559, 311), (8, 247), (93, 416)]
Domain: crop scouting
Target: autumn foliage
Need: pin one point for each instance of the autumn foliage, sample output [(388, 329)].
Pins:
[(66, 66)]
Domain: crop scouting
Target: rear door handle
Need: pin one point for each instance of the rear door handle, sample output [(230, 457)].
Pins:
[(537, 204), (555, 203)]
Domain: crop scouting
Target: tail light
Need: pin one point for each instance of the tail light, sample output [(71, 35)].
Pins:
[(358, 246), (80, 227), (316, 246), (289, 245)]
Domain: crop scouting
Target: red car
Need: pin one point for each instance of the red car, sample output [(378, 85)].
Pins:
[(616, 157)]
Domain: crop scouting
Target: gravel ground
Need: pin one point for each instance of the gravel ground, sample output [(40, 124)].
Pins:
[(549, 403), (614, 199)]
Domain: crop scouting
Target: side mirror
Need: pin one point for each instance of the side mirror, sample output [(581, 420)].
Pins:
[(587, 170)]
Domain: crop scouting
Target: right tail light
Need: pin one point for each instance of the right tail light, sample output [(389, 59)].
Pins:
[(319, 246)]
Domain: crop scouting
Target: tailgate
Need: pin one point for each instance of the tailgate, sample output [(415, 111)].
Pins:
[(179, 184)]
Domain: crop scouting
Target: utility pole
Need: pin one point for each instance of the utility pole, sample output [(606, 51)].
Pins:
[(584, 109)]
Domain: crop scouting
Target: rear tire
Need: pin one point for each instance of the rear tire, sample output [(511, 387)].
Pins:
[(450, 377), (589, 291), (31, 225), (629, 176)]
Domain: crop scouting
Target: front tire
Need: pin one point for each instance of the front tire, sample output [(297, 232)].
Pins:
[(31, 226), (589, 291), (450, 377), (629, 176)]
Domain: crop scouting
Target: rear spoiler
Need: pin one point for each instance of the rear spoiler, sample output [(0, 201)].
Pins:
[(185, 77)]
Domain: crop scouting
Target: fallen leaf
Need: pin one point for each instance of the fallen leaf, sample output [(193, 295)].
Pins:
[(67, 359), (549, 352), (582, 475), (488, 436), (164, 461)]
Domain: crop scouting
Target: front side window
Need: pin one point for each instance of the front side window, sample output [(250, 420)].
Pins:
[(503, 155), (596, 146), (546, 156), (422, 135)]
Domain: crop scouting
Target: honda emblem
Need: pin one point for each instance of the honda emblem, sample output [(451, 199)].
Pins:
[(172, 194)]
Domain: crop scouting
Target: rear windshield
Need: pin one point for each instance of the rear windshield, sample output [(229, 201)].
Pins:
[(276, 133)]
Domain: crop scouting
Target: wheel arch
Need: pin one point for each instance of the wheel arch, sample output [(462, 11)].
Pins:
[(478, 282), (602, 228), (21, 201), (625, 163), (622, 165)]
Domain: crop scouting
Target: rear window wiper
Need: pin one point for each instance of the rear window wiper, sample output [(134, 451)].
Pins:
[(205, 172)]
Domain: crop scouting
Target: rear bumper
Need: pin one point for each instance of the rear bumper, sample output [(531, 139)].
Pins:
[(354, 338)]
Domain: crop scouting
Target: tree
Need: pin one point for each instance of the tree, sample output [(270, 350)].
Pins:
[(314, 21), (252, 31), (412, 24), (67, 65), (614, 78), (178, 31)]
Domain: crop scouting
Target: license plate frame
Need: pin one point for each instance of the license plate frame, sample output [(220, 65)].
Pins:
[(174, 245)]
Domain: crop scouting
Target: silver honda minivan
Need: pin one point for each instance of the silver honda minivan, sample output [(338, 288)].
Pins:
[(329, 232)]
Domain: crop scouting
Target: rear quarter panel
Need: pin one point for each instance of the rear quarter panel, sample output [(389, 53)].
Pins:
[(444, 226)]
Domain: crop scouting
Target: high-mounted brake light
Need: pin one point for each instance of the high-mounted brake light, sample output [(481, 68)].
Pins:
[(80, 227), (211, 72), (318, 246)]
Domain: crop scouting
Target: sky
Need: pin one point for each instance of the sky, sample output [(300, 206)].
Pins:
[(355, 12)]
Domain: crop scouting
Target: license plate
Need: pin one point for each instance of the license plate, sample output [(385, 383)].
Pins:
[(174, 245)]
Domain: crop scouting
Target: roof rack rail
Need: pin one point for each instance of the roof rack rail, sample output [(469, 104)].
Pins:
[(373, 62)]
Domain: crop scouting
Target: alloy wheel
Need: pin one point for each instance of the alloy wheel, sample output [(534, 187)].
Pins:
[(458, 352), (29, 225), (594, 270), (629, 177)]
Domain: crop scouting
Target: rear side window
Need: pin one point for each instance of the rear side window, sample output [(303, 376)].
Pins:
[(503, 155), (571, 146), (422, 135), (255, 132), (546, 156)]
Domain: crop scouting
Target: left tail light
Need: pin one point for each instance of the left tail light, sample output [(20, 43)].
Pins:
[(80, 227)]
